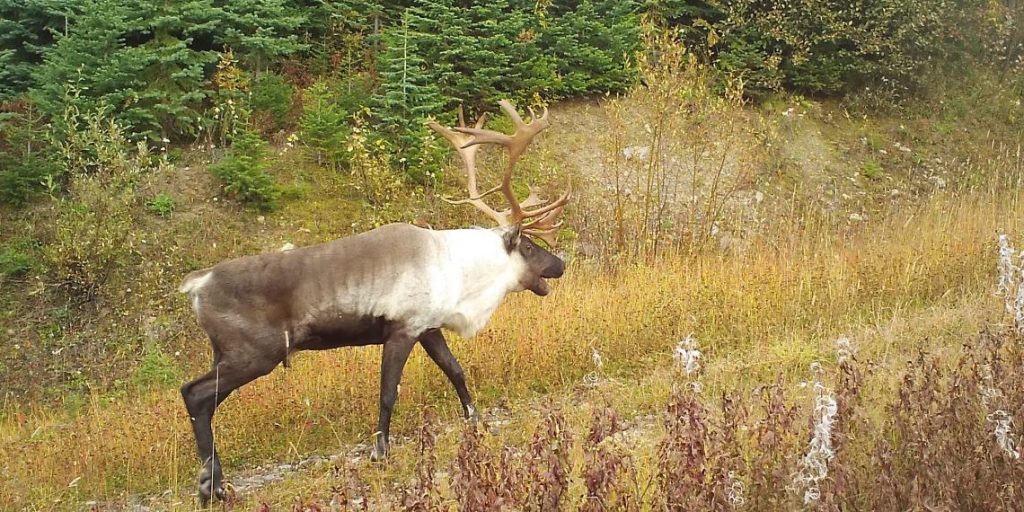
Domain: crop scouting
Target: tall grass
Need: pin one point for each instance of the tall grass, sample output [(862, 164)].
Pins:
[(779, 303)]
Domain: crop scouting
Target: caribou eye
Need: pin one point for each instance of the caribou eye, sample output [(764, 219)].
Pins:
[(528, 249)]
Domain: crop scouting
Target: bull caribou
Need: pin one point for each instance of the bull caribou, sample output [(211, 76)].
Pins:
[(394, 286)]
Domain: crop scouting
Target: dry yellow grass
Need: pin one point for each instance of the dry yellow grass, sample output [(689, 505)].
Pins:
[(757, 314)]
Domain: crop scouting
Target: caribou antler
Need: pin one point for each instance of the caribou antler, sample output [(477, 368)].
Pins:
[(468, 153), (544, 223)]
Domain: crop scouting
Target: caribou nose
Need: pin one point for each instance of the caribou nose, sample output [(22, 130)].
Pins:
[(555, 269)]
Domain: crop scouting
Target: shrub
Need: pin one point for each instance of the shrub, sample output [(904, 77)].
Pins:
[(872, 169), (229, 116), (324, 125), (93, 233), (834, 47), (161, 204), (676, 182), (270, 99), (16, 258), (243, 173)]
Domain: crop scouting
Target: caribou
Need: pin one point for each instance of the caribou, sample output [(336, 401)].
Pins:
[(395, 285)]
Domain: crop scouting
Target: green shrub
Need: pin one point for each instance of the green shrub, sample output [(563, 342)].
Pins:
[(17, 258), (325, 126), (93, 232), (26, 157), (161, 204), (243, 173), (872, 169), (836, 47), (270, 99)]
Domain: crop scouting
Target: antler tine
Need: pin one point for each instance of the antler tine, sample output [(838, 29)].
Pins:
[(545, 227), (468, 154), (542, 221), (556, 205), (515, 143)]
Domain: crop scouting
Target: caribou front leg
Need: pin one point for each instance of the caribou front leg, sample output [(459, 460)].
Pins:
[(396, 352), (437, 348)]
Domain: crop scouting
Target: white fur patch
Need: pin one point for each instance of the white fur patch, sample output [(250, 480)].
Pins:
[(192, 285), (487, 273)]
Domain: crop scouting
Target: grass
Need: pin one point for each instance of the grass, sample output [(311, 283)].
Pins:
[(758, 314), (917, 275)]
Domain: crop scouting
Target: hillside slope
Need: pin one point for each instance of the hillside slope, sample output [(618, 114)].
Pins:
[(766, 232)]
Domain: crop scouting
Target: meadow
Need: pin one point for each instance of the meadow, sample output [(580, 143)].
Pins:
[(761, 319), (780, 306)]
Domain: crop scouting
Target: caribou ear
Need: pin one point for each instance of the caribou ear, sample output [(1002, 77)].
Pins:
[(511, 236)]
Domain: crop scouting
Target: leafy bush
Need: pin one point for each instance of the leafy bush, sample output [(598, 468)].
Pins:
[(17, 258), (93, 233), (230, 114), (161, 204), (243, 172), (834, 47)]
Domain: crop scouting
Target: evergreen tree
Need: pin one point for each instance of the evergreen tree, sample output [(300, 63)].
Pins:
[(27, 28), (149, 60), (132, 58), (407, 96), (446, 49), (532, 71), (259, 31), (485, 62), (592, 43)]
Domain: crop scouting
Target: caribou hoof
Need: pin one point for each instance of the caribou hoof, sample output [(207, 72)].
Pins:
[(380, 449), (210, 483), (471, 415)]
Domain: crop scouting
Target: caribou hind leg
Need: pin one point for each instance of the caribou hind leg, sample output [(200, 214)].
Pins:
[(437, 348), (202, 396)]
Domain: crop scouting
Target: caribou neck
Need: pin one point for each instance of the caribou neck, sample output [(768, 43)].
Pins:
[(488, 272)]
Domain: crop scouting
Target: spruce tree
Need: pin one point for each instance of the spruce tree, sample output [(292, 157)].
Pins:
[(486, 61), (148, 61), (407, 96), (27, 29), (259, 31), (132, 58), (531, 71), (592, 44)]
